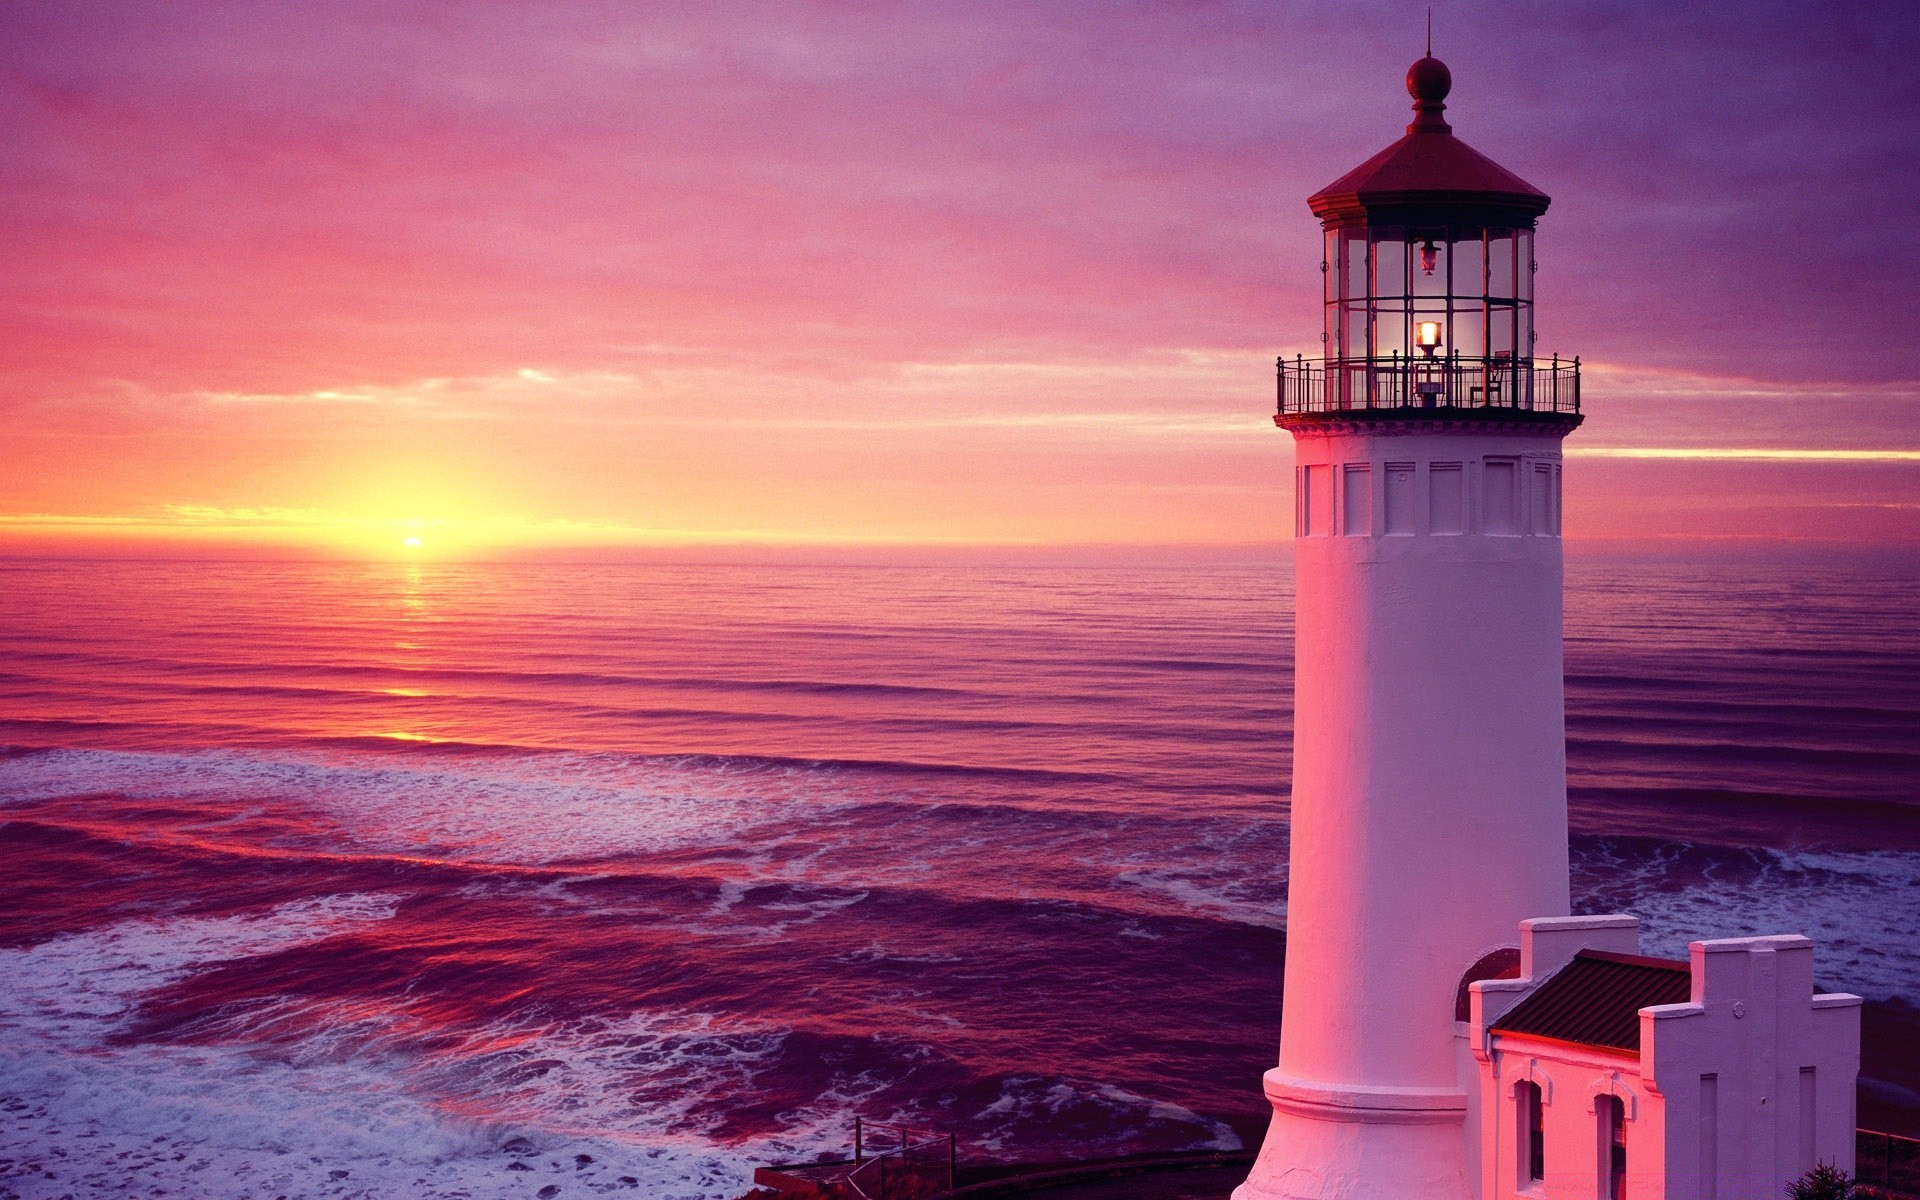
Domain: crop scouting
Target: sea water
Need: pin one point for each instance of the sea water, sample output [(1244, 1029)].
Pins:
[(324, 879)]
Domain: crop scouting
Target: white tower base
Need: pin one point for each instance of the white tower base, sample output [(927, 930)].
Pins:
[(1362, 1143)]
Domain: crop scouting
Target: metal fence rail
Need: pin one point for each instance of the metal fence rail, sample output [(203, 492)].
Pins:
[(895, 1162), (916, 1162), (1396, 383), (1886, 1160)]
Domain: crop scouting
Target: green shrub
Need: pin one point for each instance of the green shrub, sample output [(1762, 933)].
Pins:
[(1824, 1182)]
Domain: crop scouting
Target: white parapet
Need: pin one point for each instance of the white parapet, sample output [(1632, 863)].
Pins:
[(1757, 1073)]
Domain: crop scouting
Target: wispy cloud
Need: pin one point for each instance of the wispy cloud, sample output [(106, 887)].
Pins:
[(1641, 381), (1756, 454)]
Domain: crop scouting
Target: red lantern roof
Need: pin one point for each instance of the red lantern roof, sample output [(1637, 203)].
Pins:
[(1429, 175)]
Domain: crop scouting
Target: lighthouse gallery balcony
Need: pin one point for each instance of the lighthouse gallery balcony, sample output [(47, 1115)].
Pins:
[(1410, 386)]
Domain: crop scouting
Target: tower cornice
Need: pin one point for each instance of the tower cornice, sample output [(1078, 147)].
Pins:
[(1399, 423)]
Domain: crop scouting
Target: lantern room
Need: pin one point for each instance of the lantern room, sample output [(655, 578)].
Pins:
[(1429, 266)]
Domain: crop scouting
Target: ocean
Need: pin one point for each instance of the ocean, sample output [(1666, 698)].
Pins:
[(441, 880)]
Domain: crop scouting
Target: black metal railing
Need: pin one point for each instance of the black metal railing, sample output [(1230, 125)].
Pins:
[(1442, 382), (1887, 1160), (896, 1162)]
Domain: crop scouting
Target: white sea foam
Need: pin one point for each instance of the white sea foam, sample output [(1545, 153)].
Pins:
[(523, 809), (86, 981), (661, 1077), (1231, 868), (1250, 900), (1113, 1116), (770, 921), (84, 1114), (1860, 908)]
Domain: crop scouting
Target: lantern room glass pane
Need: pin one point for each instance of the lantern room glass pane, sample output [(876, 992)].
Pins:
[(1469, 332), (1355, 343), (1353, 264), (1390, 328), (1501, 279), (1524, 265), (1470, 263), (1501, 330), (1389, 264), (1330, 291)]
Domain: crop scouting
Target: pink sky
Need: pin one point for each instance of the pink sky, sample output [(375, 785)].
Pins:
[(873, 273)]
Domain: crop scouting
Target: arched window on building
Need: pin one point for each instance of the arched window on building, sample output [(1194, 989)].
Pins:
[(1612, 1114), (1531, 1140)]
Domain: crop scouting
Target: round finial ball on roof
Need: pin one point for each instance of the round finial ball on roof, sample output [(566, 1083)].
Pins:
[(1429, 79)]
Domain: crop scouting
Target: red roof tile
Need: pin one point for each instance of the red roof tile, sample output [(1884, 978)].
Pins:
[(1425, 167), (1596, 999)]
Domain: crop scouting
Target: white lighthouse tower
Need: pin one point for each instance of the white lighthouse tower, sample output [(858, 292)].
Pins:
[(1429, 786)]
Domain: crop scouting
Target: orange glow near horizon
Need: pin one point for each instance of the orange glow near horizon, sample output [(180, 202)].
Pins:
[(914, 459), (696, 289)]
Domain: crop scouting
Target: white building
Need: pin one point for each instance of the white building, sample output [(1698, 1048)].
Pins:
[(1600, 1073), (1426, 1050)]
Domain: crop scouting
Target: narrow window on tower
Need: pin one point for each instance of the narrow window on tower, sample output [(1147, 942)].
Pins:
[(1356, 501), (1532, 1140), (1399, 498), (1447, 511), (1541, 501), (1316, 501), (1499, 502)]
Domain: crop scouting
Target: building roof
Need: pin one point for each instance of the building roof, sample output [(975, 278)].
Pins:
[(1596, 999), (1429, 171)]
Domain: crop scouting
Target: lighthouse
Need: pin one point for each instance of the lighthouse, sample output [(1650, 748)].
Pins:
[(1429, 785)]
